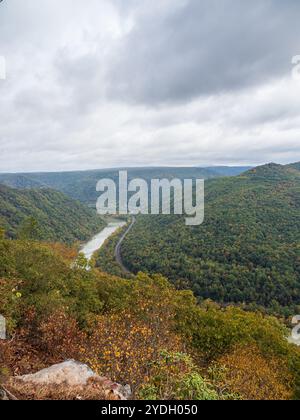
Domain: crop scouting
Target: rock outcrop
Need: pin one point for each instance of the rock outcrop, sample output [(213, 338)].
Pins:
[(67, 381)]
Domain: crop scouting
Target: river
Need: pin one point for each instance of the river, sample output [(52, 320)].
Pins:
[(98, 240)]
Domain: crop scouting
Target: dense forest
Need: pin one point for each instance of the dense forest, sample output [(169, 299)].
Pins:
[(246, 252), (141, 332), (105, 259), (295, 166), (82, 185), (44, 214), (151, 331)]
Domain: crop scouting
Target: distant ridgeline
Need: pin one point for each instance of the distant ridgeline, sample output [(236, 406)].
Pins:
[(82, 185), (44, 214), (143, 331), (247, 250)]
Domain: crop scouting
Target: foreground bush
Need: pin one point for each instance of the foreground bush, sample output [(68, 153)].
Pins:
[(174, 376), (142, 331), (251, 376)]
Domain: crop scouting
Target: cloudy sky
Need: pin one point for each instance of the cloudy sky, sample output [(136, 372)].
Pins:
[(109, 83)]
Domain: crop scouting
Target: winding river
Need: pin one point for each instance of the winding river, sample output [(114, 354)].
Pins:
[(98, 240)]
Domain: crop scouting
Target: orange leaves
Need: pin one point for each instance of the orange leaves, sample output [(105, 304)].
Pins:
[(133, 337), (124, 346), (68, 253), (250, 375), (60, 338)]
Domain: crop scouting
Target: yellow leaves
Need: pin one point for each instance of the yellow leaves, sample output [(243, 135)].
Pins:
[(246, 372), (123, 346)]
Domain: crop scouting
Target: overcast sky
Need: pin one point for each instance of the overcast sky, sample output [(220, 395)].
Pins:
[(108, 83)]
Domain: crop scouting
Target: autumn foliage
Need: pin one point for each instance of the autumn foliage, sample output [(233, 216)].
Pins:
[(253, 377), (142, 332), (124, 348)]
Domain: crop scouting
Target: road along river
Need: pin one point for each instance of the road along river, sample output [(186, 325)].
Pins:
[(118, 255), (98, 240)]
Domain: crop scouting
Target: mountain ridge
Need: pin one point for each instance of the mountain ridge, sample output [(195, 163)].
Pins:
[(58, 217), (245, 252), (274, 171), (81, 185)]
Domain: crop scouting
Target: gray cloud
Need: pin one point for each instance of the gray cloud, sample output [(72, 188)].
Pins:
[(110, 83), (205, 47)]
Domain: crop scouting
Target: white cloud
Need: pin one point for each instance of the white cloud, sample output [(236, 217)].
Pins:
[(66, 105)]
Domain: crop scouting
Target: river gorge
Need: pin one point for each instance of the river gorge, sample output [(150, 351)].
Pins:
[(98, 240)]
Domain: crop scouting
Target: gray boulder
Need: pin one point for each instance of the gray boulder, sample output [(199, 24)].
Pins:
[(69, 373), (68, 380)]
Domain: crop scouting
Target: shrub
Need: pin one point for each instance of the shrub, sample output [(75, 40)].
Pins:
[(247, 373), (175, 377)]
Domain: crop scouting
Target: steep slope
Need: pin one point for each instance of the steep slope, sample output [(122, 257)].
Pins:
[(58, 217), (295, 166), (57, 312), (20, 181), (247, 250), (274, 172)]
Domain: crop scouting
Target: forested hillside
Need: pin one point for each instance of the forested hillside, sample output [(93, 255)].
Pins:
[(140, 332), (44, 214), (247, 250), (19, 181), (81, 185), (144, 331), (229, 170), (296, 166)]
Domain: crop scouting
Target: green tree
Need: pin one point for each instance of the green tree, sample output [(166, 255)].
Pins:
[(2, 233), (29, 229)]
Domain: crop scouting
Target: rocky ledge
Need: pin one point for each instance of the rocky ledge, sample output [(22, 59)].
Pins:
[(67, 381)]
